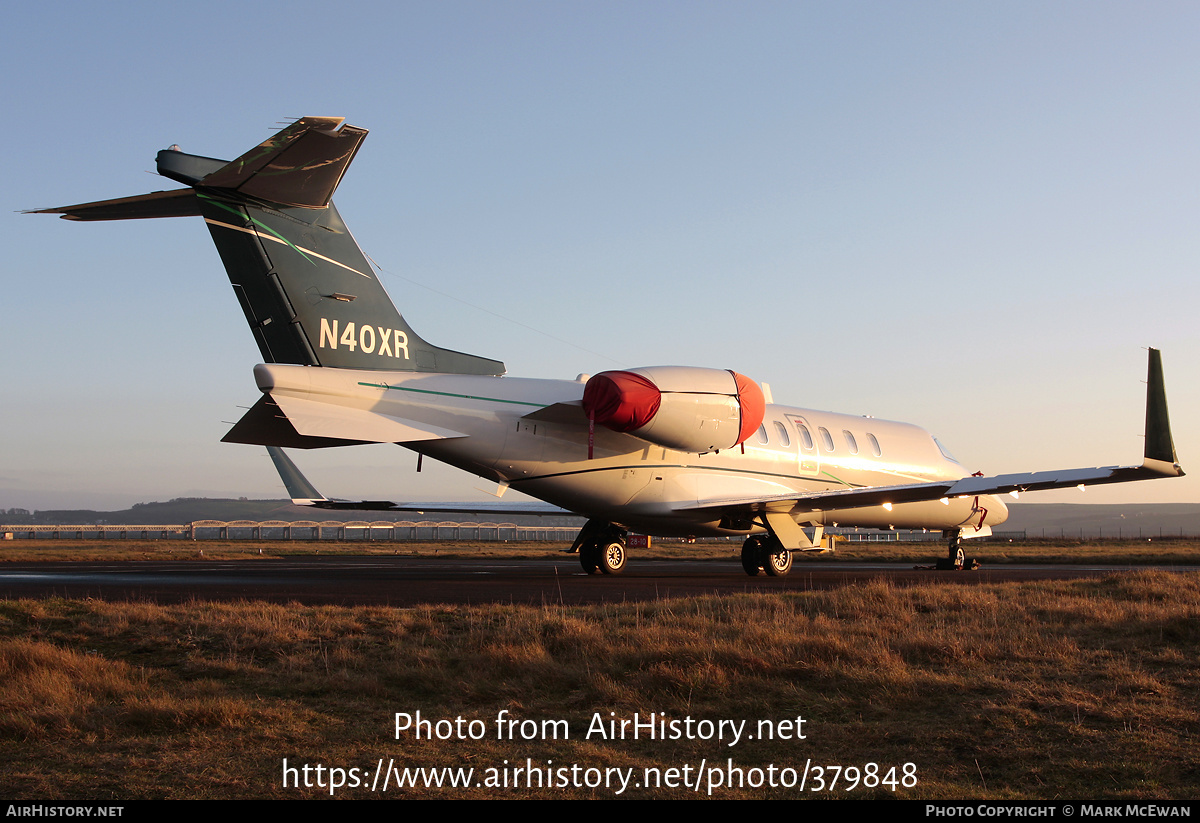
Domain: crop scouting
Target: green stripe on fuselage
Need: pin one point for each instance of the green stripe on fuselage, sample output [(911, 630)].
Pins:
[(452, 394)]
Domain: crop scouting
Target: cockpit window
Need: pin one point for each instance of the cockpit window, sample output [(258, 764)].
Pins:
[(945, 452)]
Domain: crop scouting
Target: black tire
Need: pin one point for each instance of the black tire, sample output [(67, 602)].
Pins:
[(612, 557), (752, 556), (589, 558)]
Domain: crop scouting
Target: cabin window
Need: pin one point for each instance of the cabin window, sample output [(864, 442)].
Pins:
[(826, 438), (805, 437), (762, 434), (783, 435), (875, 445), (851, 443)]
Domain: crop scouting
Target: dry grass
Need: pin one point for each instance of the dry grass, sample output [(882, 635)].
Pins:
[(1034, 690)]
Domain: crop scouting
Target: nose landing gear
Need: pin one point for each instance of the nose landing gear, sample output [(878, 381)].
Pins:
[(955, 559)]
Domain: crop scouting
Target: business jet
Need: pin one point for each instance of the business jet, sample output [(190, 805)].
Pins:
[(663, 450)]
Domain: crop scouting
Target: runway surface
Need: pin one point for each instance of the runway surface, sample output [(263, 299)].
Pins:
[(409, 581)]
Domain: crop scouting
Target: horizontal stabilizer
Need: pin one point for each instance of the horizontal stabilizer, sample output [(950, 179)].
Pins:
[(569, 413), (300, 166), (176, 203), (266, 425), (312, 418)]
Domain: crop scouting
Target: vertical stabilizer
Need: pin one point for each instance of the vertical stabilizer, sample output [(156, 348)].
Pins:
[(306, 289)]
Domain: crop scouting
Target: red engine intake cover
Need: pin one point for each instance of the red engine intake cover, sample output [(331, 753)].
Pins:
[(693, 407), (754, 405), (621, 400)]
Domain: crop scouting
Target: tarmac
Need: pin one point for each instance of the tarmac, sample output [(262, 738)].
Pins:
[(411, 581)]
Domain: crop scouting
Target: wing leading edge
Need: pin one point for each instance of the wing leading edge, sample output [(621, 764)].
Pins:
[(1159, 460)]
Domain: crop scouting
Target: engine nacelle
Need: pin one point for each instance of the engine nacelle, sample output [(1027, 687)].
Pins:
[(679, 407)]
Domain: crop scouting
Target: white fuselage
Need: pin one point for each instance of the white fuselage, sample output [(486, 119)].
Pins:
[(480, 424)]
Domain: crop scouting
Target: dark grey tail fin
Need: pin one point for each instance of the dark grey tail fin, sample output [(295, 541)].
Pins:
[(306, 288), (1160, 447)]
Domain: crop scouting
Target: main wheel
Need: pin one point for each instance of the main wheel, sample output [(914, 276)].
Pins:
[(778, 560), (612, 557), (589, 557), (752, 555)]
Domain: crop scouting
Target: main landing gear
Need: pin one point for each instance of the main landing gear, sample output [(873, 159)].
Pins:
[(765, 552), (955, 559), (601, 547)]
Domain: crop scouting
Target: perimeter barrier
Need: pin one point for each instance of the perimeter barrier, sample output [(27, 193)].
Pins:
[(340, 530)]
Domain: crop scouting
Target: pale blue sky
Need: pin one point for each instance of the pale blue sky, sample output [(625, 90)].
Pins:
[(970, 216)]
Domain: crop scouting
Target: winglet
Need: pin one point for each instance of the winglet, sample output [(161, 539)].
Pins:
[(1160, 448), (298, 488), (304, 493)]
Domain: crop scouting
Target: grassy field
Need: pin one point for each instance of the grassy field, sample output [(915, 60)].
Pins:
[(1051, 690)]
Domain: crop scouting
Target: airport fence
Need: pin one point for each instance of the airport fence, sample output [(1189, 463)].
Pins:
[(378, 530), (386, 530), (449, 530)]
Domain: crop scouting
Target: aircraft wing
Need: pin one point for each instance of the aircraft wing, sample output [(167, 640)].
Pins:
[(1159, 460), (916, 492), (303, 493)]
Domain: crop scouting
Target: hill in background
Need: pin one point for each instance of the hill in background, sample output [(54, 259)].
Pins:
[(1107, 520), (190, 509)]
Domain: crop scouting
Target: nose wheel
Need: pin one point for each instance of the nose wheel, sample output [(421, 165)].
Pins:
[(955, 559)]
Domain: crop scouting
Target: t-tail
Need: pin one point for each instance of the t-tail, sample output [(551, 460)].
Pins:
[(307, 290)]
